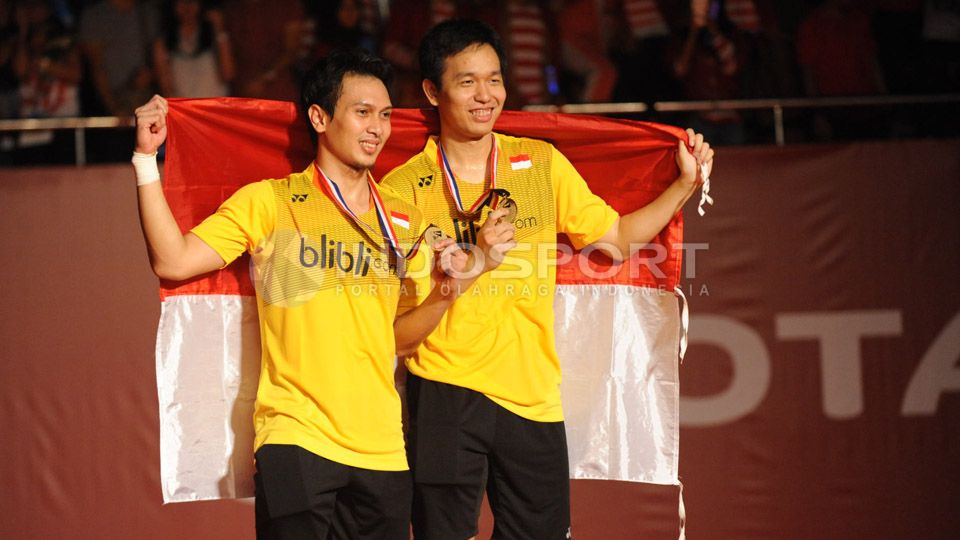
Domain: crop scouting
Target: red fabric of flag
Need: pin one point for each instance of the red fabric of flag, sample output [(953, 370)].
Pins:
[(217, 145)]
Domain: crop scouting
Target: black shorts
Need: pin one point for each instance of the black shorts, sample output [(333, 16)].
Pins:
[(459, 442), (302, 495)]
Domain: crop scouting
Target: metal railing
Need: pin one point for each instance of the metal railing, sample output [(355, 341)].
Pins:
[(591, 108), (78, 125), (776, 106)]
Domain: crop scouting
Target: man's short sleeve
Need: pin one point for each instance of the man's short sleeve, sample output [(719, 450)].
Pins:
[(241, 222), (581, 215)]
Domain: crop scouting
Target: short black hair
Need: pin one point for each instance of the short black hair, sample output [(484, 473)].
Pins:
[(323, 84), (452, 37)]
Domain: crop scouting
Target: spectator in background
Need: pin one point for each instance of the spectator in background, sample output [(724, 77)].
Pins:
[(10, 34), (583, 51), (116, 38), (193, 57), (768, 66), (764, 71), (838, 57), (336, 24), (64, 11), (44, 70), (271, 34), (642, 52), (371, 24), (837, 52), (941, 46), (529, 31), (409, 21), (896, 28), (707, 66), (47, 64), (742, 14), (340, 27), (940, 69), (530, 37)]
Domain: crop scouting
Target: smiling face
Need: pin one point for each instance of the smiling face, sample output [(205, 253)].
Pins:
[(471, 94), (355, 134)]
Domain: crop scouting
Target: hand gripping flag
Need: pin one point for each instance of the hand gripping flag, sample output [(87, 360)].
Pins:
[(618, 327)]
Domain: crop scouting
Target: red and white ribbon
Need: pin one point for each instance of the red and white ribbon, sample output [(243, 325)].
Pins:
[(490, 196), (330, 188)]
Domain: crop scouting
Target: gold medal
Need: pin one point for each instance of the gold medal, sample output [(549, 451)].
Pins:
[(432, 236), (510, 206)]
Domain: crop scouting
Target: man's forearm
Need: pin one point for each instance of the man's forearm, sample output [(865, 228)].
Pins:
[(411, 328), (636, 229), (639, 227)]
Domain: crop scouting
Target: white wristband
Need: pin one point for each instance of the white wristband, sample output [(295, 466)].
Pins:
[(146, 167)]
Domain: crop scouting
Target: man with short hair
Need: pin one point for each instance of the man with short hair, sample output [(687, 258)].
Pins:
[(483, 390), (329, 251)]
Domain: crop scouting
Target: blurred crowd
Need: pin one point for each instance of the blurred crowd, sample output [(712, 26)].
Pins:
[(64, 58)]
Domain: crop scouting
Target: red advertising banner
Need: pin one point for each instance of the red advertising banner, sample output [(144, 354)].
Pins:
[(821, 390)]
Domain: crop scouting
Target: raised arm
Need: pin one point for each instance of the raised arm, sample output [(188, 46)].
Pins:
[(173, 255), (632, 231)]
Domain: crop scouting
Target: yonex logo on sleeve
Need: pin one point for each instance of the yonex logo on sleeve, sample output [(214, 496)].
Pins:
[(425, 180), (299, 197)]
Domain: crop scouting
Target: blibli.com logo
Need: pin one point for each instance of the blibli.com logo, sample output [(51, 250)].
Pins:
[(355, 260)]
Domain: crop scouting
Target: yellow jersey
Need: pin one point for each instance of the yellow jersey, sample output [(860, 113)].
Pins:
[(497, 337), (327, 292)]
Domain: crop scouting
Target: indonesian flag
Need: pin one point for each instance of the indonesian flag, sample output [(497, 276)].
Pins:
[(520, 161), (400, 219), (618, 327)]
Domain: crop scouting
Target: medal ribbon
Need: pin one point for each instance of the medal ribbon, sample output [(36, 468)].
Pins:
[(331, 190), (490, 197)]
